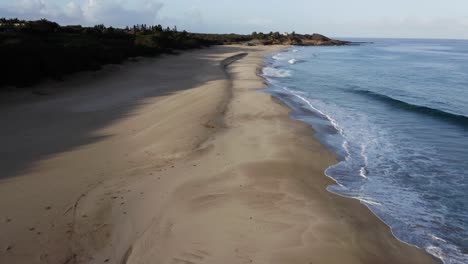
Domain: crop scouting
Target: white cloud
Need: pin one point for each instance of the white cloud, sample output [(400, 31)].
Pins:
[(88, 12), (24, 6), (117, 13), (73, 10)]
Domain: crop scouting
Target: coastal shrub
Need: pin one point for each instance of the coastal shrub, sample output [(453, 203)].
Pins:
[(31, 51)]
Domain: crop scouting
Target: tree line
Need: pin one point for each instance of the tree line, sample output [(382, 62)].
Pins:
[(31, 51)]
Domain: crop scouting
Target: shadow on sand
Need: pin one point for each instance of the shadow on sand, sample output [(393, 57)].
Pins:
[(38, 126)]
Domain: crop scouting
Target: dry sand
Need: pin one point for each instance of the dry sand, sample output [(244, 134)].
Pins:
[(176, 159)]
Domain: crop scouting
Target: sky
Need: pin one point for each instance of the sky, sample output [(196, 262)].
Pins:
[(335, 18)]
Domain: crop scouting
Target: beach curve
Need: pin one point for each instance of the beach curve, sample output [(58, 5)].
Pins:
[(213, 173)]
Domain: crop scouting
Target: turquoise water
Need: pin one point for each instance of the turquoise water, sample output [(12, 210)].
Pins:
[(396, 114)]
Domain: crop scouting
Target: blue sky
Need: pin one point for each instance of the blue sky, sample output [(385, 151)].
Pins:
[(338, 18)]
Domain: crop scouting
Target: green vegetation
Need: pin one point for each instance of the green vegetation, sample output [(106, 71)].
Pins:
[(34, 50), (270, 38), (31, 51)]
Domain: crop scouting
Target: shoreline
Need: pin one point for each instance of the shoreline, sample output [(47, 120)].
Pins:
[(299, 107), (206, 169), (284, 102)]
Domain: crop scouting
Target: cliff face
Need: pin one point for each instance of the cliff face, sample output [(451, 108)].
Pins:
[(314, 40)]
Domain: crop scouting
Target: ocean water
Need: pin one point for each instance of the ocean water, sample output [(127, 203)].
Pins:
[(396, 114)]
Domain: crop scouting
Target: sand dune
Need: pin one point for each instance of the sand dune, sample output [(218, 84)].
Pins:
[(178, 159)]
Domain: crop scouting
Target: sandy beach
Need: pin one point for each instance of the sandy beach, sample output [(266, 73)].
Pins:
[(178, 160)]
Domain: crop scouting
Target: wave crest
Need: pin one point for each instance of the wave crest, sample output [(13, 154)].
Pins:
[(434, 112)]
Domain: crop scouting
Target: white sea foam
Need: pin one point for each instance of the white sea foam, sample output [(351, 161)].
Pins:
[(274, 72), (437, 238), (437, 252), (277, 57), (334, 123), (363, 172), (292, 61), (367, 201), (295, 50)]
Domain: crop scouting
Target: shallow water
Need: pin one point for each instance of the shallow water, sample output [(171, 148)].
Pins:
[(396, 114)]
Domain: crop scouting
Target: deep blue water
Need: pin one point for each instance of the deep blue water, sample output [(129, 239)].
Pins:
[(396, 114)]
